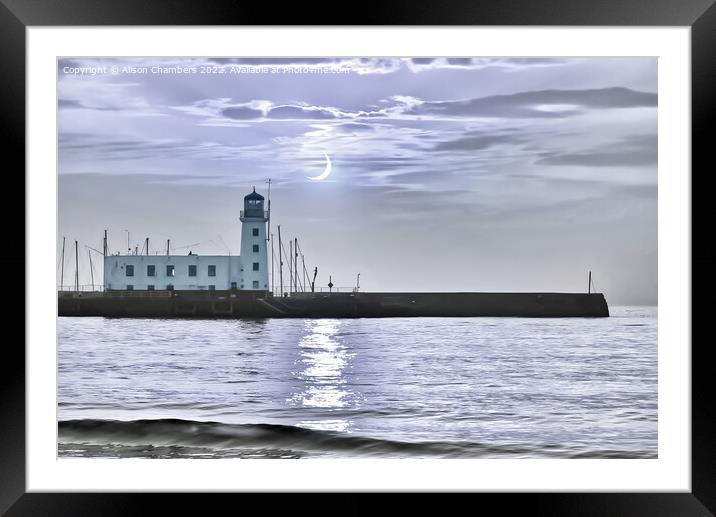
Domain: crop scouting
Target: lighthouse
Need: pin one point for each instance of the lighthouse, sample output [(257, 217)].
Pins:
[(254, 256)]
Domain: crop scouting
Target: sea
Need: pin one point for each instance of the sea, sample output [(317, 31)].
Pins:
[(359, 388)]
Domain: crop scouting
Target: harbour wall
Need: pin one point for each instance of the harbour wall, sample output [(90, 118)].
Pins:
[(256, 304)]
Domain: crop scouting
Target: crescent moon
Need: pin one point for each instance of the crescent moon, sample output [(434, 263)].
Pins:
[(326, 172)]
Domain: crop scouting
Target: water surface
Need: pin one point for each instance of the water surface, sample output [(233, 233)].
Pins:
[(390, 387)]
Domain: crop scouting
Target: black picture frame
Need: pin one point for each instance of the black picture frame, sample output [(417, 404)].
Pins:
[(700, 15)]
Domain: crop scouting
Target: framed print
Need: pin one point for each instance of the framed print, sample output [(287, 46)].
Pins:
[(450, 251)]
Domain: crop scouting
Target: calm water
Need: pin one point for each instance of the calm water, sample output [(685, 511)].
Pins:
[(396, 387)]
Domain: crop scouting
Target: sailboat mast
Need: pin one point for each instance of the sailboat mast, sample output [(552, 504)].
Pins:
[(269, 206), (269, 235), (89, 254), (273, 286), (305, 273), (62, 268), (295, 264), (77, 268), (280, 260)]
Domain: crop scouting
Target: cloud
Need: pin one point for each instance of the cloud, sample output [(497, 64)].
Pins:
[(242, 113), (477, 142), (218, 111), (69, 103), (350, 127), (635, 150), (542, 104), (480, 63), (85, 146), (537, 104), (422, 60), (302, 113), (336, 65), (273, 60), (99, 95)]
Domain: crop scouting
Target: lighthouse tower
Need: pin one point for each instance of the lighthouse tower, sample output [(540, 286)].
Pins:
[(254, 258)]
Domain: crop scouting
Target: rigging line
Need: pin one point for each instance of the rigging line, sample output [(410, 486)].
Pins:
[(224, 243), (298, 279), (273, 259), (303, 262), (91, 248), (89, 255), (302, 280), (59, 260), (290, 270), (187, 246)]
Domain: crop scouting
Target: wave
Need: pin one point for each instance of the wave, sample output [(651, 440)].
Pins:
[(176, 438)]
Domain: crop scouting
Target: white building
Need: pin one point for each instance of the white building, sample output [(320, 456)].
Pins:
[(249, 271)]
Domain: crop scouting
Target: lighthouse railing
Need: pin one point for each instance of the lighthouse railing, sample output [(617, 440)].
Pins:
[(253, 213)]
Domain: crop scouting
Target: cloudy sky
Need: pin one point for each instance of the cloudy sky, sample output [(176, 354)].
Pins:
[(479, 174)]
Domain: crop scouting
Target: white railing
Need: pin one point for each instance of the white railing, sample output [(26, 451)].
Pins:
[(320, 289), (81, 288)]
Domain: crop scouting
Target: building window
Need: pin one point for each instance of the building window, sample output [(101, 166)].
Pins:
[(192, 270), (212, 270), (170, 287), (256, 284), (130, 270), (256, 248), (256, 266), (170, 270), (130, 287), (255, 232), (233, 285), (150, 287), (212, 287), (151, 270)]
